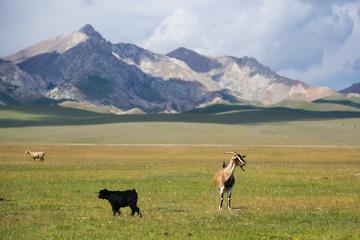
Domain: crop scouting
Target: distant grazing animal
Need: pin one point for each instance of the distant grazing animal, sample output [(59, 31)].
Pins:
[(35, 155), (120, 199), (224, 179)]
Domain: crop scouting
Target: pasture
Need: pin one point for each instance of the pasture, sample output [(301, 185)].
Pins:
[(302, 178), (299, 192)]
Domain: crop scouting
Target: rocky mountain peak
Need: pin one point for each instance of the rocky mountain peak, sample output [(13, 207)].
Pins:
[(90, 31)]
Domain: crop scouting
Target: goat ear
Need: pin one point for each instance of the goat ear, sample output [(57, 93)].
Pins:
[(244, 156)]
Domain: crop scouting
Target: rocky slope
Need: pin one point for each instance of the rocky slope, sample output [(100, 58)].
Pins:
[(355, 89), (84, 67), (17, 86), (248, 79)]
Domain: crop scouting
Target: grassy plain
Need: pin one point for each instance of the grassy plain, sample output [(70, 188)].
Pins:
[(302, 180), (285, 193)]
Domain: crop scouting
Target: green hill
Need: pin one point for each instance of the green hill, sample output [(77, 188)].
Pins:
[(42, 115), (333, 103), (213, 124)]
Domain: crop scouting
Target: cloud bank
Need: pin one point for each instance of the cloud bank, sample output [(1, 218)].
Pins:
[(313, 41), (306, 41)]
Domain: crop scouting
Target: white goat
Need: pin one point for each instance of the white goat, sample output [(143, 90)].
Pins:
[(224, 179), (35, 155)]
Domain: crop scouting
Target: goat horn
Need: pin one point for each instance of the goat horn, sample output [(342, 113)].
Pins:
[(233, 153), (238, 157), (241, 159)]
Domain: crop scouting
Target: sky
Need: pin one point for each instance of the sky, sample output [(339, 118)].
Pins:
[(315, 41)]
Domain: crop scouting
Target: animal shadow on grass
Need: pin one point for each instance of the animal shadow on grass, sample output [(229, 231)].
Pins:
[(237, 208)]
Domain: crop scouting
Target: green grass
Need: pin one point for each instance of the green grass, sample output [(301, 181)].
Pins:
[(285, 193)]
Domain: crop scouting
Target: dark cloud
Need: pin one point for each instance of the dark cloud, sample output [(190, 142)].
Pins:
[(356, 65)]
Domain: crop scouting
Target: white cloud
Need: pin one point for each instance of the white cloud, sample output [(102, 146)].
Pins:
[(336, 66), (297, 38), (283, 34), (177, 29)]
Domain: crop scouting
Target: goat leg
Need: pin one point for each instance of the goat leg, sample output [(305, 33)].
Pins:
[(135, 209), (229, 198), (116, 211), (221, 201)]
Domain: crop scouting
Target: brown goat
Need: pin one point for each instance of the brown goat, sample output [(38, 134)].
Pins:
[(224, 179)]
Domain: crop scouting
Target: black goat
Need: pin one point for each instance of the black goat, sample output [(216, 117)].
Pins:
[(120, 199)]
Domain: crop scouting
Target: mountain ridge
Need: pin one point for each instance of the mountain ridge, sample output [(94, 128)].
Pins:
[(255, 82), (353, 89), (83, 67)]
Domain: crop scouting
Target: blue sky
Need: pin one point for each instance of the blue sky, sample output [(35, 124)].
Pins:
[(315, 41)]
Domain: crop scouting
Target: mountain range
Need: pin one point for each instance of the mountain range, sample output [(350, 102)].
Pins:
[(83, 69), (353, 89)]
